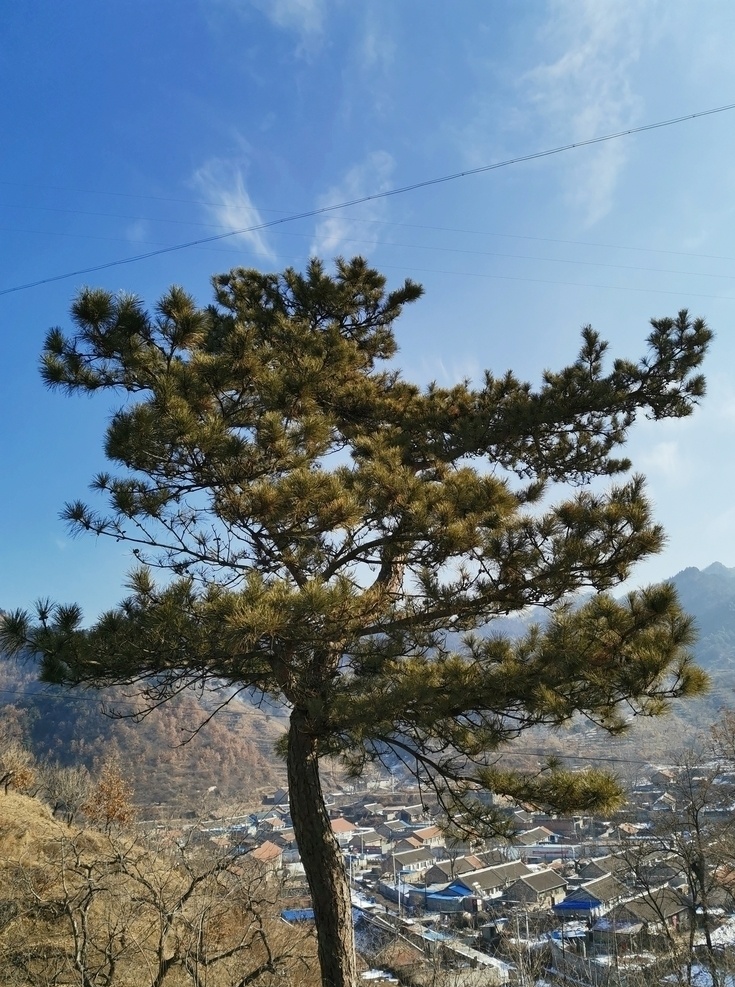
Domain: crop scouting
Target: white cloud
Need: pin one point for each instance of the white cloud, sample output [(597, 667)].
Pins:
[(377, 47), (719, 405), (662, 460), (368, 178), (304, 17), (584, 91), (222, 184), (448, 374), (138, 231)]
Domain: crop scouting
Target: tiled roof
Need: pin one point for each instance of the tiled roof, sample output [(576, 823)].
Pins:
[(604, 890), (266, 852), (491, 878), (544, 880), (412, 856), (428, 833), (539, 834), (656, 906)]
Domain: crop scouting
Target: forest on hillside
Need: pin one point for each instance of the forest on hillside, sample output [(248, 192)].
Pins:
[(176, 758)]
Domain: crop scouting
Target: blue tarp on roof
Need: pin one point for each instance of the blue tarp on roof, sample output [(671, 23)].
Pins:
[(457, 889), (298, 915), (578, 905)]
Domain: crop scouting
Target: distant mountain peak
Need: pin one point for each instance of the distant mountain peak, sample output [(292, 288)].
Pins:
[(715, 570), (718, 569)]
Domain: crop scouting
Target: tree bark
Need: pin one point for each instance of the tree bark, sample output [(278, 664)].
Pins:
[(321, 857)]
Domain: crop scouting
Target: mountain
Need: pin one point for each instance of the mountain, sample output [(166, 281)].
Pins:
[(709, 595)]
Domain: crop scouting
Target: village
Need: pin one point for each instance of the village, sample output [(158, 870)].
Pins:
[(572, 899)]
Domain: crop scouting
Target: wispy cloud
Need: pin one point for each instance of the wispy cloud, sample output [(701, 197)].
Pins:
[(377, 46), (372, 176), (138, 231), (663, 461), (584, 90), (448, 373), (303, 17), (221, 184)]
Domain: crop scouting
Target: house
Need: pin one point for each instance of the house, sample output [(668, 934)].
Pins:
[(603, 867), (411, 861), (374, 808), (278, 798), (407, 843), (496, 855), (429, 836), (453, 898), (635, 925), (285, 838), (368, 842), (463, 894), (443, 871), (540, 890), (569, 828), (663, 777), (658, 909), (544, 853), (666, 803), (392, 829), (268, 855), (413, 815), (268, 819), (537, 835), (592, 899), (344, 830), (490, 881)]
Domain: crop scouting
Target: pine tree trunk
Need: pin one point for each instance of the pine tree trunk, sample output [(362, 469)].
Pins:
[(321, 857)]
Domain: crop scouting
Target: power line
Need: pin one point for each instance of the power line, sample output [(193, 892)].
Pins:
[(568, 284), (427, 183), (352, 219), (450, 250), (545, 239)]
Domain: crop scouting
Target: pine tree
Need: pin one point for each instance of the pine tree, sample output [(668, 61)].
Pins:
[(331, 535)]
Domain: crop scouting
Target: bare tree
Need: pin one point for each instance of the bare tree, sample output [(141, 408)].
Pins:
[(67, 789), (695, 838), (122, 909)]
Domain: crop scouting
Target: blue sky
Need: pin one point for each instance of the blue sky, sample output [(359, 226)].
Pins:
[(129, 126)]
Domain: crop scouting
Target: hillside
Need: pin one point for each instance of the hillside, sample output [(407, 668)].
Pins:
[(137, 909), (176, 758)]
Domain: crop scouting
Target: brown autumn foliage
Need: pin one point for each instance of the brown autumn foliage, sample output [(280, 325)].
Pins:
[(16, 767), (110, 802), (172, 757)]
